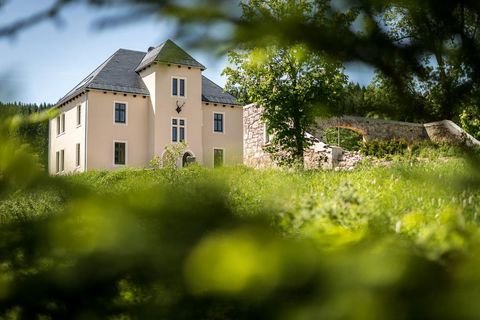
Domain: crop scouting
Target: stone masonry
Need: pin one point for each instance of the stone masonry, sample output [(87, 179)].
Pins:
[(441, 131), (374, 129), (325, 156), (255, 138)]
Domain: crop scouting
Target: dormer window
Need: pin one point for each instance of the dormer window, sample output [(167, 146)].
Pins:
[(178, 87)]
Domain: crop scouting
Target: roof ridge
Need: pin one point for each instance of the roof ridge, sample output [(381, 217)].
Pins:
[(130, 50)]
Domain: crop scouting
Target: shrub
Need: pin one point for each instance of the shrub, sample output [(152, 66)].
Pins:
[(401, 147), (383, 148), (349, 139)]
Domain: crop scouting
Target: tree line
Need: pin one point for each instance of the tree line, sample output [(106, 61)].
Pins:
[(33, 133)]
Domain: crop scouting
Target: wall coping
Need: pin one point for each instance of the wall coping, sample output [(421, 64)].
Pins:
[(364, 120)]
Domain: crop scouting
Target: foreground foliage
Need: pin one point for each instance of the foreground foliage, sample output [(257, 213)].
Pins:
[(235, 243)]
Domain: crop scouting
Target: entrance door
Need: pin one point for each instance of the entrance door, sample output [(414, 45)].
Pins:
[(187, 159)]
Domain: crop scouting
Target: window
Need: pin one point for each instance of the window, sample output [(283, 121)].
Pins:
[(120, 112), (79, 115), (60, 161), (217, 122), (63, 123), (178, 129), (178, 87), (77, 155), (57, 162), (59, 125), (174, 87), (217, 158), (182, 87), (120, 155)]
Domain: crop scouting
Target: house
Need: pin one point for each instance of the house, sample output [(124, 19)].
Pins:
[(135, 104)]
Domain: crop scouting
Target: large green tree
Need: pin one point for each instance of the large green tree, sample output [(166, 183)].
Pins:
[(449, 79), (292, 85)]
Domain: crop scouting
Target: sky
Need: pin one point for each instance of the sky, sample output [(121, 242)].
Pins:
[(43, 63)]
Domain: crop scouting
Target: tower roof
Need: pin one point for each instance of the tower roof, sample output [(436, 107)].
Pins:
[(169, 53)]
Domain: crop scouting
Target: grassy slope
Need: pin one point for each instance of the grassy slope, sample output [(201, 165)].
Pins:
[(374, 243), (427, 203)]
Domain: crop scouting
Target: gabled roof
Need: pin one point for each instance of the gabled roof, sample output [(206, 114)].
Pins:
[(117, 73), (211, 92), (168, 52)]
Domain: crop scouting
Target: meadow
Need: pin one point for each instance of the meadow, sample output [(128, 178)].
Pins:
[(393, 239)]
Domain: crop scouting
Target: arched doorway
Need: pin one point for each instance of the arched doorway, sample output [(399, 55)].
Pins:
[(349, 139), (187, 159)]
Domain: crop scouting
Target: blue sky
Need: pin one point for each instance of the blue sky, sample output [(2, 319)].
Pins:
[(43, 63)]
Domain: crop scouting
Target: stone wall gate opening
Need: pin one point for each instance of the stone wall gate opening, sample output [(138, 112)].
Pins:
[(349, 139)]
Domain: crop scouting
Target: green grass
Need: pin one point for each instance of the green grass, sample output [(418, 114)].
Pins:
[(424, 202), (237, 243)]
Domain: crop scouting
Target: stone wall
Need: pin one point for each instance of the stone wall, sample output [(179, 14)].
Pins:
[(448, 131), (254, 138), (374, 129), (319, 155), (441, 131)]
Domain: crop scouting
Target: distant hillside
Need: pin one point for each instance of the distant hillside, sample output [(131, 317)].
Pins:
[(35, 134)]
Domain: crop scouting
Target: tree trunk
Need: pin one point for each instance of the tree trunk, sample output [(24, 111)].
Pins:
[(299, 141)]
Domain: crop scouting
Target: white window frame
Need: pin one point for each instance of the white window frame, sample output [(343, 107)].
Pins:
[(60, 161), (59, 125), (126, 113), (178, 131), (126, 153), (178, 87), (77, 155), (79, 115), (223, 153), (57, 162), (223, 122)]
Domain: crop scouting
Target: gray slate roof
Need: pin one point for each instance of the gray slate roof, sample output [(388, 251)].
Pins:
[(211, 92), (118, 73), (169, 52)]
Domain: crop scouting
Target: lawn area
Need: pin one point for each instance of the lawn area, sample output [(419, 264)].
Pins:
[(378, 242)]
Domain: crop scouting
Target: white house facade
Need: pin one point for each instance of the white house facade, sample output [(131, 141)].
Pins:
[(135, 104)]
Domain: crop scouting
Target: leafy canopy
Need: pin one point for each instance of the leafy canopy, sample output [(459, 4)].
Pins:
[(290, 83)]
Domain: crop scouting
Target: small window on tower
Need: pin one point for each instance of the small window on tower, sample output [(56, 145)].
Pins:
[(179, 87)]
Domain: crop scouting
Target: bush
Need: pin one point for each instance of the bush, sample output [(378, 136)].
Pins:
[(383, 148), (401, 147), (349, 139)]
